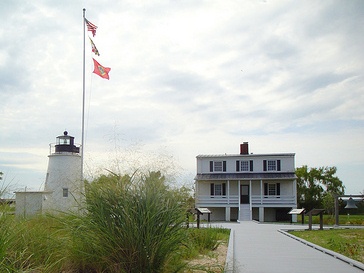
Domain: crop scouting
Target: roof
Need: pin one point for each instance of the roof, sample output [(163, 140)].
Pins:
[(247, 155), (246, 176), (33, 191)]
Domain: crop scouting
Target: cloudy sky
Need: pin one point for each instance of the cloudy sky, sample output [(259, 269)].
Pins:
[(187, 78)]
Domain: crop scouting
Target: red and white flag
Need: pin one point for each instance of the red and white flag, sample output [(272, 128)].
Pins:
[(100, 70)]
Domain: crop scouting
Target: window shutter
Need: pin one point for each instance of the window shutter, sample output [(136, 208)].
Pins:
[(212, 189), (211, 166), (223, 188), (265, 188), (278, 188), (237, 165), (278, 165), (224, 166), (265, 165), (251, 165)]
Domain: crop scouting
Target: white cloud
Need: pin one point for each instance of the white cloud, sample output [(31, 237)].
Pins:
[(186, 78)]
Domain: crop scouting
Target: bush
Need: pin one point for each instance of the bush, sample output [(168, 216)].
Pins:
[(130, 225)]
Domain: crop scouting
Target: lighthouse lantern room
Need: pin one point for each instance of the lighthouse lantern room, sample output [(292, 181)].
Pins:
[(65, 143)]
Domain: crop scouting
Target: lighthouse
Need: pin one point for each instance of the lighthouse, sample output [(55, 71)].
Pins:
[(64, 178), (63, 187)]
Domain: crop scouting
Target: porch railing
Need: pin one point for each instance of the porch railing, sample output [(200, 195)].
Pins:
[(273, 199), (216, 200), (234, 200)]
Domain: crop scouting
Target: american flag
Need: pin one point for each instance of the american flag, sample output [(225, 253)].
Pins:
[(91, 27)]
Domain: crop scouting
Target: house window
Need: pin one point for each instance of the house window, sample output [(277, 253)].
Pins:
[(217, 166), (244, 165), (272, 188), (271, 165), (65, 192), (218, 189)]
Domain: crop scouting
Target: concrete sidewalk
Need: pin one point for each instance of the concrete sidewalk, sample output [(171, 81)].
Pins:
[(261, 248)]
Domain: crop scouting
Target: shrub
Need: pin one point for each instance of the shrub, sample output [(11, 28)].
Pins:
[(130, 225)]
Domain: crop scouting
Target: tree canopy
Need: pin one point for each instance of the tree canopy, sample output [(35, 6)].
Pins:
[(316, 186)]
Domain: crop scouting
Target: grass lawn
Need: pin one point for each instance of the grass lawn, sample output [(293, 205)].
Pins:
[(330, 220), (348, 242), (208, 250)]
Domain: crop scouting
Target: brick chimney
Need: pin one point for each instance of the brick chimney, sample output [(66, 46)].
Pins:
[(244, 148)]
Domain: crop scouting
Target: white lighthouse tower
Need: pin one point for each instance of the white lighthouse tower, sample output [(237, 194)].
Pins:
[(64, 178)]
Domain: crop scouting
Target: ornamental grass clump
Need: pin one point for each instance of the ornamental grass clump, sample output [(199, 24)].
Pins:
[(5, 239), (130, 224), (204, 240), (30, 245)]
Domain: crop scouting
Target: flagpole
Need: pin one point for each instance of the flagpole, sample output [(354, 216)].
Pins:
[(83, 99)]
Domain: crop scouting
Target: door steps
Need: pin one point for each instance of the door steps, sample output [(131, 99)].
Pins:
[(245, 212)]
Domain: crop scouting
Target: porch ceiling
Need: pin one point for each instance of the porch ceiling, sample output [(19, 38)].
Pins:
[(246, 176)]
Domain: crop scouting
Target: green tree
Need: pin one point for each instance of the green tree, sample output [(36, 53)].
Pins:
[(315, 187), (328, 203)]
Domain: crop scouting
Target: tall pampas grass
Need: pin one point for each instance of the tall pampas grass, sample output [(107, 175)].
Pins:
[(130, 224)]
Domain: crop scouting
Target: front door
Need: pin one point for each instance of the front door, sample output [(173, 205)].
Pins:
[(244, 194)]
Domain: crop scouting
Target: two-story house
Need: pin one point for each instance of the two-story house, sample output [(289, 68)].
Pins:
[(243, 187)]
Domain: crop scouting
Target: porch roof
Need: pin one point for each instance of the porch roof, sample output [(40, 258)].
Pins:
[(246, 176)]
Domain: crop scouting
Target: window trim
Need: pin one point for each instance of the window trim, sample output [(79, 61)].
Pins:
[(239, 165), (244, 165), (266, 166), (271, 165), (213, 189), (277, 189), (213, 166), (272, 189)]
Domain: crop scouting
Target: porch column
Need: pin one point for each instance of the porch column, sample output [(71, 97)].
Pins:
[(261, 191), (197, 193), (250, 197), (295, 191), (239, 196), (228, 191), (294, 216), (227, 214), (261, 214)]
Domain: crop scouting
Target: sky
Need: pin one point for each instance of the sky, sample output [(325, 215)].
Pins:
[(187, 78)]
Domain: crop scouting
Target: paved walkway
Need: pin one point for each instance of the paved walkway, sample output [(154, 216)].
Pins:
[(261, 248)]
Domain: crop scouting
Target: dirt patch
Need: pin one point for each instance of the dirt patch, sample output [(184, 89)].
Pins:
[(214, 261)]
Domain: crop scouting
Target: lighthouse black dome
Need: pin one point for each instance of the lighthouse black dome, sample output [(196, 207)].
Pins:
[(65, 143)]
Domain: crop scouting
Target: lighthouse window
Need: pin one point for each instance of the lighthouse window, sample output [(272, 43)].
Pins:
[(65, 192), (63, 140)]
